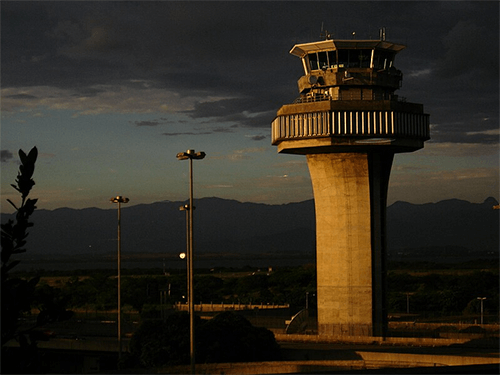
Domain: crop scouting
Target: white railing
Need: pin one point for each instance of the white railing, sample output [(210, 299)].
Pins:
[(352, 124)]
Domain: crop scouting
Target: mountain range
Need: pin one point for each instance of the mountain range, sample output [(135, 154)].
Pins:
[(444, 230)]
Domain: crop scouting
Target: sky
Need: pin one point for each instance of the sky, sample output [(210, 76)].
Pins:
[(110, 92)]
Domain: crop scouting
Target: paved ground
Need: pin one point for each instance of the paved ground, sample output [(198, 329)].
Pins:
[(99, 335), (334, 351)]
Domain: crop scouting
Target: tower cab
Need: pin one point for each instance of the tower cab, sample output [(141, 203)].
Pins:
[(348, 70)]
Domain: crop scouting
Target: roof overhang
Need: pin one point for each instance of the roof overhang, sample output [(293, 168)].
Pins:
[(301, 50)]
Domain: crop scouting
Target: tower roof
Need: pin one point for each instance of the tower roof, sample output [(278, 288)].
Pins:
[(301, 50)]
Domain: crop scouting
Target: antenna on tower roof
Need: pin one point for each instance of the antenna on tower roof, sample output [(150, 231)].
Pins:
[(324, 33), (382, 33)]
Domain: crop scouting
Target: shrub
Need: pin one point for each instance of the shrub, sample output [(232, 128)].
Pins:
[(226, 338), (230, 337)]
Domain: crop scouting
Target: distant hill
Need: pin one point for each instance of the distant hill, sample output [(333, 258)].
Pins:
[(220, 225), (445, 229), (450, 228)]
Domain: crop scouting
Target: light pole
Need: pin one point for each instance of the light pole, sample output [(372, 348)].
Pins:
[(408, 301), (119, 199), (183, 255), (191, 154), (481, 299)]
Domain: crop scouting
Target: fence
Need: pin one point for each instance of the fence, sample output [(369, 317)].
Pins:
[(209, 307)]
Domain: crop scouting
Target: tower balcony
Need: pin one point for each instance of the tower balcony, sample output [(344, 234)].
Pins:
[(350, 126)]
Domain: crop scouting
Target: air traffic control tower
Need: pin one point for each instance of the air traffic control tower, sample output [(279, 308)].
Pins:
[(349, 124)]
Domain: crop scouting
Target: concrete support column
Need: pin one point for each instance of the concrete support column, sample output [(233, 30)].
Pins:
[(350, 194)]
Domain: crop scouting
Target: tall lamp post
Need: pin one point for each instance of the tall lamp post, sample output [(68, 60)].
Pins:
[(408, 294), (183, 255), (191, 155), (119, 199), (481, 299)]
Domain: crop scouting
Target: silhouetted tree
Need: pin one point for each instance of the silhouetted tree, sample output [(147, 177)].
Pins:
[(18, 294)]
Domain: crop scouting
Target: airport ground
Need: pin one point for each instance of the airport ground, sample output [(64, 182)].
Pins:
[(479, 356), (87, 343), (90, 345)]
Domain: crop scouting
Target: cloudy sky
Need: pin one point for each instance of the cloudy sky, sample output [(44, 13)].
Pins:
[(110, 92)]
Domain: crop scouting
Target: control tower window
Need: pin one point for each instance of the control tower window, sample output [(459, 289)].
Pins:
[(343, 58), (322, 60), (354, 58), (383, 59), (350, 58), (318, 60), (332, 59), (364, 57), (313, 61)]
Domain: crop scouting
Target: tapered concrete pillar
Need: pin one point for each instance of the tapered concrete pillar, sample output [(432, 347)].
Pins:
[(350, 196)]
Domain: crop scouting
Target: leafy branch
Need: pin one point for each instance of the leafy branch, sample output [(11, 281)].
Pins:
[(14, 233), (17, 294)]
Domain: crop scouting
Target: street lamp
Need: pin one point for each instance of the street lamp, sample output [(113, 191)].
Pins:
[(119, 199), (481, 299), (191, 155), (307, 300), (408, 294), (183, 255)]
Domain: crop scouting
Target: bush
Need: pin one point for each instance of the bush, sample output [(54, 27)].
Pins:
[(231, 338), (150, 312), (161, 343), (226, 338)]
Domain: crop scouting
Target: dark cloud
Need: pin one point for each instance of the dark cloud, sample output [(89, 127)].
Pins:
[(250, 112), (470, 129), (147, 123), (444, 134), (217, 109), (258, 137), (186, 133), (222, 129), (239, 51), (90, 91), (468, 48), (5, 155), (21, 96)]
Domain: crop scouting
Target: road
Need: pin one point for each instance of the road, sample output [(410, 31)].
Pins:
[(338, 351)]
